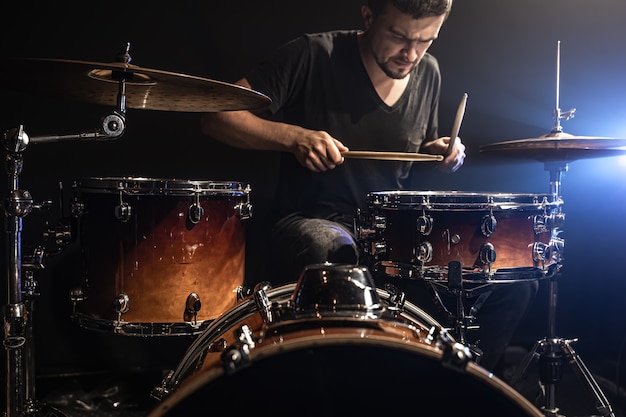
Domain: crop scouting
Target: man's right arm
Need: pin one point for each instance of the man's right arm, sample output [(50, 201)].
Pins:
[(316, 150)]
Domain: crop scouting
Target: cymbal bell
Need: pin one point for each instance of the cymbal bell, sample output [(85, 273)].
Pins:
[(559, 146), (149, 89)]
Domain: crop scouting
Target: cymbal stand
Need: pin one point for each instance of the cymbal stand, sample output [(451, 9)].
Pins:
[(21, 294), (17, 320), (17, 314), (552, 350)]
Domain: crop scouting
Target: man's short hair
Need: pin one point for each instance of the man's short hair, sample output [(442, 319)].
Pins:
[(416, 8)]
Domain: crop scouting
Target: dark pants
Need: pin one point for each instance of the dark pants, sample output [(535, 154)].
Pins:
[(297, 241), (497, 314)]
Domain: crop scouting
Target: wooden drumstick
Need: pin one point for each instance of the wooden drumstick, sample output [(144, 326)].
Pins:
[(457, 124), (410, 156), (392, 156)]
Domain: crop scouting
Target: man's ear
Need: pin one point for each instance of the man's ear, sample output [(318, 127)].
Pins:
[(367, 15)]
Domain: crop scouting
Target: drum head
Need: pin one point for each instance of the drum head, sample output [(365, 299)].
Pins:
[(348, 376), (328, 363)]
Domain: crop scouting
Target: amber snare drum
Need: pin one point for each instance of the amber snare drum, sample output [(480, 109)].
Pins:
[(159, 256), (332, 344), (495, 236)]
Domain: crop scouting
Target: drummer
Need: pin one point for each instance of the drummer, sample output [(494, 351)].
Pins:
[(375, 89)]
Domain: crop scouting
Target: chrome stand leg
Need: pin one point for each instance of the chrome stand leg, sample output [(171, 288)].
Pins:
[(550, 353)]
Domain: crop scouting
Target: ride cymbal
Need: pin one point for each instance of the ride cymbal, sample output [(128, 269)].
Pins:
[(149, 89), (559, 146)]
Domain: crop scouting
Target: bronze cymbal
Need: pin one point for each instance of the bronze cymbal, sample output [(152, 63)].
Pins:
[(149, 89), (559, 146)]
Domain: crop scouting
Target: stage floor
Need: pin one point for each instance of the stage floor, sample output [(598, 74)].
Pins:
[(127, 393)]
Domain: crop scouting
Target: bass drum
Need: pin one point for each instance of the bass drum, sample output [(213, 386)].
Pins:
[(371, 353)]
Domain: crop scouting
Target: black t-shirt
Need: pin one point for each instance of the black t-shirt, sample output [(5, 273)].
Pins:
[(318, 81)]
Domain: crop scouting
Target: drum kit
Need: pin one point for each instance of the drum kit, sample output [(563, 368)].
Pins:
[(165, 257)]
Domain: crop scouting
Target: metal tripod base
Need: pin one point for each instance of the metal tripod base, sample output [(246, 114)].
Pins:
[(550, 353), (37, 409)]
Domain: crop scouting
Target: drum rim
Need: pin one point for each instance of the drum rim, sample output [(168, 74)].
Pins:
[(271, 350), (454, 199), (243, 310), (158, 186)]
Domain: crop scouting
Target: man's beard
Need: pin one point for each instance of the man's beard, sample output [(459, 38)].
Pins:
[(396, 75)]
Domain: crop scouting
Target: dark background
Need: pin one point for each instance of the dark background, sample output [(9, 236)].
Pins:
[(502, 53)]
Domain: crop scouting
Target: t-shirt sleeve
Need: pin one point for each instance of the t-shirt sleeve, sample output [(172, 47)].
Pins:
[(432, 131), (281, 76)]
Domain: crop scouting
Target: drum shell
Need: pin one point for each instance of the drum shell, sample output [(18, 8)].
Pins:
[(512, 240), (457, 230), (158, 257)]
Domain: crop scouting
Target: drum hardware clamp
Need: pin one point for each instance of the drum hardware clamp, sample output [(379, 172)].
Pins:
[(456, 355), (193, 306), (463, 321), (237, 356)]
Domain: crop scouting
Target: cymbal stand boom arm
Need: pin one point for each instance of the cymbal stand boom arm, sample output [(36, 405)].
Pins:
[(111, 126)]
